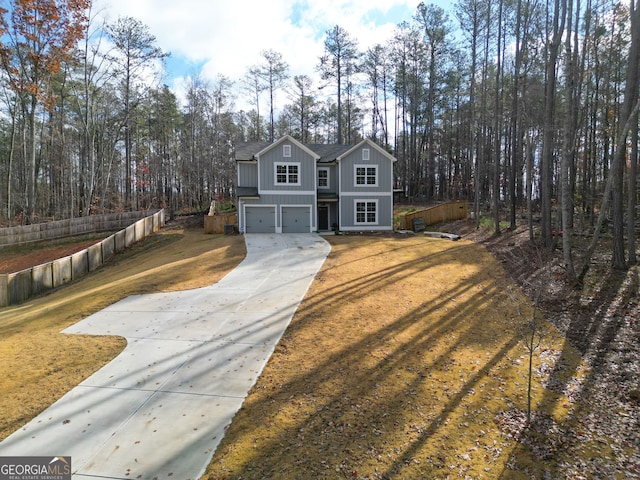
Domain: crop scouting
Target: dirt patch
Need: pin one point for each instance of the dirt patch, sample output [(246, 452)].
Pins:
[(14, 259)]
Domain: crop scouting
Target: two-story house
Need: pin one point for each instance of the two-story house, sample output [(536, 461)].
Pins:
[(290, 187)]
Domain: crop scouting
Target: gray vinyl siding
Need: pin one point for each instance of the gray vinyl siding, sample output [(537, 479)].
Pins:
[(381, 192), (384, 174), (307, 170), (247, 174), (287, 199), (339, 198), (333, 178), (283, 200), (385, 213)]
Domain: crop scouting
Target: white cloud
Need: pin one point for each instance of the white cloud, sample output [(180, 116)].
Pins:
[(226, 37)]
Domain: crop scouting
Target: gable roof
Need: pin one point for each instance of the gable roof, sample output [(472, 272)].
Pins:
[(323, 153), (371, 144), (288, 139)]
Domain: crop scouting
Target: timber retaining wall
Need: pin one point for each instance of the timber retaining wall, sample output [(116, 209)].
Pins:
[(445, 212), (72, 227), (19, 286)]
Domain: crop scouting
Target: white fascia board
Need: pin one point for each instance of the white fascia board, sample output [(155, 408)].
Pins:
[(287, 192), (373, 145), (290, 139), (366, 194)]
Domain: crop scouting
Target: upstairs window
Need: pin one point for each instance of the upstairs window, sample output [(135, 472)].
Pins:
[(286, 151), (323, 178), (287, 174), (365, 154), (366, 176)]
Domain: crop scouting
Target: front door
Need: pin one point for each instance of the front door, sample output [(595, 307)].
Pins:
[(323, 217)]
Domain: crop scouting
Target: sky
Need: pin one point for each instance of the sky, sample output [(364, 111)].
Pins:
[(225, 37)]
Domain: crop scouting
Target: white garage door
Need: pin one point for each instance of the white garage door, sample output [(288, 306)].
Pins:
[(260, 219), (296, 219)]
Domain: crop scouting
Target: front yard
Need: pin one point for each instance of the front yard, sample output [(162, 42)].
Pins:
[(405, 360)]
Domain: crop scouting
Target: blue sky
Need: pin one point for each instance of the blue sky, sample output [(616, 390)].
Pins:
[(225, 37)]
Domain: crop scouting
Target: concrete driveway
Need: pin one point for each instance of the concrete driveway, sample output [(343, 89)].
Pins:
[(161, 407)]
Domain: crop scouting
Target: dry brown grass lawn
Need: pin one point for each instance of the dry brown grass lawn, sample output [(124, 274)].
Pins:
[(403, 361), (38, 364), (399, 364)]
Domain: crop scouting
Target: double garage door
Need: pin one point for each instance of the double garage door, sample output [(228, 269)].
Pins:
[(263, 219)]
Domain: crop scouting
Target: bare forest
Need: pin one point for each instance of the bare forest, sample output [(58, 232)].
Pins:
[(528, 109)]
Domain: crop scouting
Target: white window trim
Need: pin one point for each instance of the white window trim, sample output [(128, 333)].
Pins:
[(287, 165), (365, 201), (286, 150), (355, 176), (366, 154), (360, 194), (287, 192), (328, 186)]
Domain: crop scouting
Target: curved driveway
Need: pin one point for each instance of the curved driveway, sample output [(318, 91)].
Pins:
[(161, 407)]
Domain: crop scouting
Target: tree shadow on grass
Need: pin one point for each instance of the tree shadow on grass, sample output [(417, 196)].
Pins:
[(396, 389), (598, 331)]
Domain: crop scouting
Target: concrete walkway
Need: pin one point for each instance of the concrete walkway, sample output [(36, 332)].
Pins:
[(160, 408)]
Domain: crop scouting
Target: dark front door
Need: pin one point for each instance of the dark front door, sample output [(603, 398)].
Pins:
[(323, 217)]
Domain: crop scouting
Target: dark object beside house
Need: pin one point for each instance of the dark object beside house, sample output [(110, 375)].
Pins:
[(418, 225)]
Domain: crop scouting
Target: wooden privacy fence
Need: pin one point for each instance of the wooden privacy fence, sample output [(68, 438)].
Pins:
[(68, 228), (438, 214), (19, 286), (220, 222)]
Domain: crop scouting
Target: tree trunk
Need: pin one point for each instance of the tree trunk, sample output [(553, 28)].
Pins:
[(549, 113), (529, 187), (632, 194), (567, 160), (515, 121), (12, 145), (619, 160), (620, 150), (31, 166), (497, 127)]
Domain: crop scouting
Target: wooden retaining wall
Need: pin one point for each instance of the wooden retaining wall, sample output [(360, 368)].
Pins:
[(217, 223), (68, 228), (19, 286), (438, 214)]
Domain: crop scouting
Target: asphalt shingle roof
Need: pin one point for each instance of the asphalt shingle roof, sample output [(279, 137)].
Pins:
[(328, 153), (246, 150)]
